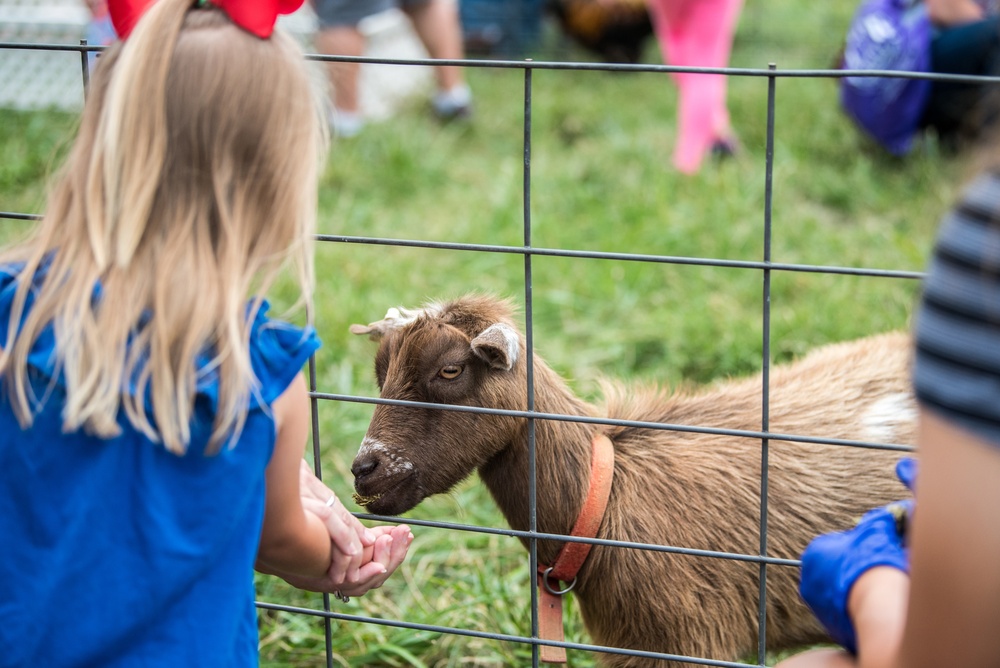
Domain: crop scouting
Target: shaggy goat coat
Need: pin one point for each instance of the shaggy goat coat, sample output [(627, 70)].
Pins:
[(692, 490)]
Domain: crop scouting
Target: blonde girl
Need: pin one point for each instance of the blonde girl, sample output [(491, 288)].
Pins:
[(152, 415)]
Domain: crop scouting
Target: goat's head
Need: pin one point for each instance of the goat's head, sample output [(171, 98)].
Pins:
[(462, 353)]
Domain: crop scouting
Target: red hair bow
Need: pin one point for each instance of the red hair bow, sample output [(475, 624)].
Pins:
[(255, 16)]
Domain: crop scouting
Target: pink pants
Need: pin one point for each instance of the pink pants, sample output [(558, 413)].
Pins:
[(697, 33)]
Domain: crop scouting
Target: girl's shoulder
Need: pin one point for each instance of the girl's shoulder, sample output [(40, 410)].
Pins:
[(42, 355), (278, 351)]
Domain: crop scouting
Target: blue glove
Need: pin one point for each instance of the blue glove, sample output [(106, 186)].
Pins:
[(833, 562), (906, 470)]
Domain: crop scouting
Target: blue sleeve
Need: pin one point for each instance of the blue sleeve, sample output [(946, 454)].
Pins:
[(8, 286), (42, 356), (278, 351)]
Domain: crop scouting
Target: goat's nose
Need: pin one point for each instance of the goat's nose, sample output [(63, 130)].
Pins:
[(363, 466)]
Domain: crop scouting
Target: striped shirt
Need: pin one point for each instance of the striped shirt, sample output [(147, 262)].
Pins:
[(957, 361)]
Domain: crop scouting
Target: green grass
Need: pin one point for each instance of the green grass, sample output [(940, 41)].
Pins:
[(601, 180)]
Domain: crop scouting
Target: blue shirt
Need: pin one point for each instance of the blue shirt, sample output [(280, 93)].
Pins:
[(119, 553)]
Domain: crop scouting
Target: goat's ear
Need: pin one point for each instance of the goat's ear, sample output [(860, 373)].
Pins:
[(497, 345), (394, 319)]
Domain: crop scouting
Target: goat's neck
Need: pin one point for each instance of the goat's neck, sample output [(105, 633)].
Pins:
[(562, 464)]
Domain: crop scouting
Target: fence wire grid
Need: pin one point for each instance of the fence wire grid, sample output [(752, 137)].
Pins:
[(764, 268)]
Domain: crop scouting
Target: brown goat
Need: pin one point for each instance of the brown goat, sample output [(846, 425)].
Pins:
[(692, 490)]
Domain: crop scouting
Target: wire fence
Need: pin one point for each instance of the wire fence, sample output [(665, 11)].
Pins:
[(764, 268)]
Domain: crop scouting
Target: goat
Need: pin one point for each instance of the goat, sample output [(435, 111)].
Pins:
[(678, 488)]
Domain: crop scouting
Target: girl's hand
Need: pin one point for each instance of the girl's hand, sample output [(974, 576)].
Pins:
[(349, 535), (363, 558), (354, 576), (380, 561)]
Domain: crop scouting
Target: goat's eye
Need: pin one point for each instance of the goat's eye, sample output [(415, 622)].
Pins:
[(450, 372)]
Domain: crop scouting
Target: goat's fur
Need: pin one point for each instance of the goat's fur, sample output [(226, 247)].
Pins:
[(691, 490)]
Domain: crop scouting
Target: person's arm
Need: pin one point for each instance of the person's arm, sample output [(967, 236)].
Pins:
[(953, 12), (294, 540), (384, 548), (954, 613), (948, 611), (877, 605)]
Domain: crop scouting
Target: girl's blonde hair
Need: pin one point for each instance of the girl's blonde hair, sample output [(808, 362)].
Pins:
[(192, 182)]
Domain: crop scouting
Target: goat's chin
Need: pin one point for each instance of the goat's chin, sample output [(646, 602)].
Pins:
[(389, 500), (391, 506)]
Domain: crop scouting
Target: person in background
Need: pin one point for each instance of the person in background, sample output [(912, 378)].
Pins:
[(952, 37), (965, 40), (698, 33), (153, 416), (99, 31), (926, 591), (436, 24)]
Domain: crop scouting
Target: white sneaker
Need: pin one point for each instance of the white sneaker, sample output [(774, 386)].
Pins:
[(455, 102), (346, 124)]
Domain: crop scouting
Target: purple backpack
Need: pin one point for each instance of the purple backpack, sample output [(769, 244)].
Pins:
[(887, 35)]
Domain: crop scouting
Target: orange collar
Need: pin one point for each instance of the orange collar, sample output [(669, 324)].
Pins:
[(572, 555)]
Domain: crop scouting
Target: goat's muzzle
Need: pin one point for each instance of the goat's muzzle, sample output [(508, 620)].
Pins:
[(385, 484)]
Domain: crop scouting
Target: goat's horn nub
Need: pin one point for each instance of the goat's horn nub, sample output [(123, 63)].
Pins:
[(373, 333), (394, 318)]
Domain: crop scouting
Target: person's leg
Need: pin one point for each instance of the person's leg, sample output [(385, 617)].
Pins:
[(339, 35), (343, 41), (719, 52), (698, 33), (437, 24)]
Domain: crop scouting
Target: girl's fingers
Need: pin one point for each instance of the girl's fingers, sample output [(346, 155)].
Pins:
[(380, 555), (348, 520), (344, 567), (345, 531), (380, 560), (373, 573), (309, 485), (402, 539)]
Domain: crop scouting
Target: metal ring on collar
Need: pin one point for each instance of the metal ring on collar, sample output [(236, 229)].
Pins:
[(549, 588)]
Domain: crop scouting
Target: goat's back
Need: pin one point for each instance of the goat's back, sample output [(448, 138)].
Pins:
[(703, 491)]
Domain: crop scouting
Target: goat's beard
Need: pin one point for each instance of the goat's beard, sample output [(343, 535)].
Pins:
[(393, 499), (366, 501)]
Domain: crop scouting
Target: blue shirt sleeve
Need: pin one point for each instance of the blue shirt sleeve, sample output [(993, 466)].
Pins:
[(278, 352)]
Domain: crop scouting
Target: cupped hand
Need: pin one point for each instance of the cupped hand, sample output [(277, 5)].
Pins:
[(349, 535), (357, 575), (386, 555), (363, 558)]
